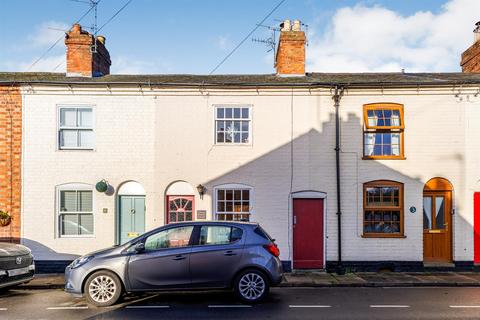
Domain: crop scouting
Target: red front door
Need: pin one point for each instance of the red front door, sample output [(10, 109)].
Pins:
[(476, 227), (180, 208), (308, 234)]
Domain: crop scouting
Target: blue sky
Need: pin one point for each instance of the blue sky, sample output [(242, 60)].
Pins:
[(192, 36)]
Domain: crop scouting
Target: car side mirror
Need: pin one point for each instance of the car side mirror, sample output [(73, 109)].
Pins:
[(139, 247)]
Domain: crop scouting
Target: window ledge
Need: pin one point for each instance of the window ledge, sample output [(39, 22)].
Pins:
[(233, 145), (380, 235), (75, 236), (383, 158)]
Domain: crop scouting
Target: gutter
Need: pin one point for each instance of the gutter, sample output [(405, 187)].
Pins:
[(361, 85), (336, 98)]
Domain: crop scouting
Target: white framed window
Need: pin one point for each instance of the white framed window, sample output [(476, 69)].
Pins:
[(75, 210), (233, 124), (233, 202), (75, 128)]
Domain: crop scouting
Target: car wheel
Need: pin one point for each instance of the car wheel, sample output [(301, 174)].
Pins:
[(251, 286), (103, 288)]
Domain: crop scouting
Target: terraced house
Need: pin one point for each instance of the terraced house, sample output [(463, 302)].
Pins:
[(367, 171)]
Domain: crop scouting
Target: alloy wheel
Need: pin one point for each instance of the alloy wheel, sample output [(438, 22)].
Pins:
[(252, 286), (102, 289)]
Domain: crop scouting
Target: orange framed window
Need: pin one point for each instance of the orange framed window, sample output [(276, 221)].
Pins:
[(383, 131), (383, 209)]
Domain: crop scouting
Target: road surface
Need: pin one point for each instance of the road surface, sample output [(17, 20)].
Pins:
[(283, 303)]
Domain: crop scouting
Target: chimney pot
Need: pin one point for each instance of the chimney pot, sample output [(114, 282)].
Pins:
[(286, 25), (101, 39), (297, 25), (476, 32)]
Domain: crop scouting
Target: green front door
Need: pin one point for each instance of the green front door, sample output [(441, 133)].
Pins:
[(132, 217)]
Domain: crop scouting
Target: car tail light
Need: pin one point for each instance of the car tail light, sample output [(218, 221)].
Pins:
[(272, 248)]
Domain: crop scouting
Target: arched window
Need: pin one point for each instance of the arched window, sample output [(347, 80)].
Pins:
[(383, 209)]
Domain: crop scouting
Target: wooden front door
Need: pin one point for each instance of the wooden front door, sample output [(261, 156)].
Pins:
[(308, 234), (437, 226), (180, 208)]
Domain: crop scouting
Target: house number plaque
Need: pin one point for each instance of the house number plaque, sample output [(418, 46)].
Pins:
[(201, 214)]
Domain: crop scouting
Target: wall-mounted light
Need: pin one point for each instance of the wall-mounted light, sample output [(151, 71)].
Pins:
[(102, 186), (201, 190)]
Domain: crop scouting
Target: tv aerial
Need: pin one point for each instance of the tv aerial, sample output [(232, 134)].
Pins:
[(94, 28), (270, 42)]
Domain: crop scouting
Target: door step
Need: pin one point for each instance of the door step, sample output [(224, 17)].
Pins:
[(438, 266)]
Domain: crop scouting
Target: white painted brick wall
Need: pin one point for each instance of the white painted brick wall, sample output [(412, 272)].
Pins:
[(157, 141)]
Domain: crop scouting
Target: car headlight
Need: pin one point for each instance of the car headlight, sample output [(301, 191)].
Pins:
[(80, 261)]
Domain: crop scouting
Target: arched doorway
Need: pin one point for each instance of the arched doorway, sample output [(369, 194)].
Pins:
[(131, 211), (437, 221), (180, 202)]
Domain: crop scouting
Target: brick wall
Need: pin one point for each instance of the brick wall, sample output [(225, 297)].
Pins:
[(81, 61), (471, 58), (290, 57), (10, 159)]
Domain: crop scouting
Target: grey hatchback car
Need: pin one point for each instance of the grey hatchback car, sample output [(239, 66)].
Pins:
[(180, 256)]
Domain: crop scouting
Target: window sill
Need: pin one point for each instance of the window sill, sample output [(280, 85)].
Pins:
[(383, 158), (76, 236), (76, 149), (232, 144), (380, 235)]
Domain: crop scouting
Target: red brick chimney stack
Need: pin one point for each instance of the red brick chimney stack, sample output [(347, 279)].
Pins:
[(84, 59), (290, 58), (471, 57)]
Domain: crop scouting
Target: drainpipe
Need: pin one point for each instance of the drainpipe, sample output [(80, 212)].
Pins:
[(336, 98)]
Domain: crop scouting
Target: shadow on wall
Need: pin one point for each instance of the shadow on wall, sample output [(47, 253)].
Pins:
[(46, 259), (307, 163)]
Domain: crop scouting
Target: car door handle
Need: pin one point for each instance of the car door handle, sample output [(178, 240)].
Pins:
[(230, 253), (180, 257)]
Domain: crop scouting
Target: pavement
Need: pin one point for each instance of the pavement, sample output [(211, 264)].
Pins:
[(323, 279), (282, 304)]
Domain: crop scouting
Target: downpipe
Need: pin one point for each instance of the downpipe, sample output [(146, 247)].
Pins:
[(338, 94)]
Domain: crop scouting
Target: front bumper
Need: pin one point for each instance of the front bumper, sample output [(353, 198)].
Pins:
[(6, 281), (74, 280)]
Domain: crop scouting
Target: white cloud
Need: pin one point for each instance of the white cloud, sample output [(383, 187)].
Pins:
[(375, 39), (129, 65), (54, 63), (47, 33), (223, 43)]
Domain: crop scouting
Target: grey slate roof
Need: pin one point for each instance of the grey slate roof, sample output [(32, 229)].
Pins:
[(254, 80)]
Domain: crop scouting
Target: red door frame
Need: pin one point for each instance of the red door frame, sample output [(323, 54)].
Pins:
[(167, 205), (298, 236), (476, 227)]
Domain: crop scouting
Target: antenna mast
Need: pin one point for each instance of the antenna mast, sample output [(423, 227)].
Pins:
[(94, 5), (270, 42), (94, 28)]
